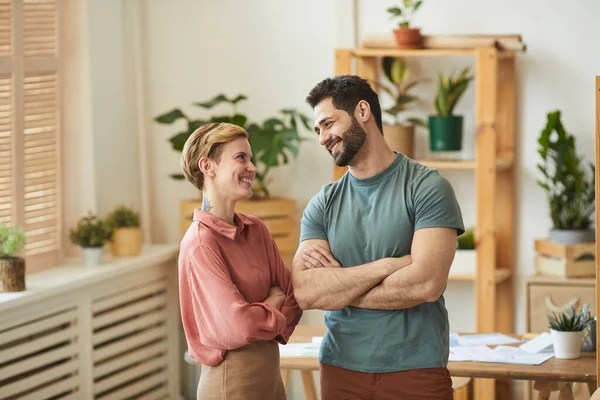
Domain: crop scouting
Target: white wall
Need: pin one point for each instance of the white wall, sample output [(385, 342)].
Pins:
[(273, 52), (100, 147)]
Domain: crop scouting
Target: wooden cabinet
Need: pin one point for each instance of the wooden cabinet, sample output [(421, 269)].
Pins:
[(546, 295)]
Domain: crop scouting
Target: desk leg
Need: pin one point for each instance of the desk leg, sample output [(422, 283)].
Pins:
[(592, 386), (546, 388), (566, 393), (310, 392), (285, 377)]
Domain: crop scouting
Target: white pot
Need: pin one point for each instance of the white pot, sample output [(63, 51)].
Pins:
[(567, 345), (465, 262), (91, 256)]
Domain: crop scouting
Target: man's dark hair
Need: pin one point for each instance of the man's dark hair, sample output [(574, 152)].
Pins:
[(345, 92)]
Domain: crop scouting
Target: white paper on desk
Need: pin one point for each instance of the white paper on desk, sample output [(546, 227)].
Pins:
[(299, 350), (486, 339), (472, 353), (317, 340), (454, 339), (500, 354), (516, 355)]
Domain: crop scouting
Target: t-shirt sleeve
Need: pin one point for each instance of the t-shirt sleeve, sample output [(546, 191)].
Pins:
[(435, 204), (312, 224)]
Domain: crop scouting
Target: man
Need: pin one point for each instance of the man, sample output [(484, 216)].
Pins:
[(394, 222)]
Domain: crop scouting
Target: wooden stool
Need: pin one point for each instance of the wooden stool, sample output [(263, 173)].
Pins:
[(461, 387)]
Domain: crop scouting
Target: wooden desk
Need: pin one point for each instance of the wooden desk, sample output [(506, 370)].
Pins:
[(552, 375)]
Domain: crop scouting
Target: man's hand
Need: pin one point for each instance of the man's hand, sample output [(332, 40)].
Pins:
[(276, 297), (319, 257)]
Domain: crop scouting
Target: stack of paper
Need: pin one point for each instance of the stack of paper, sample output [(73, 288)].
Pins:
[(301, 349), (475, 348)]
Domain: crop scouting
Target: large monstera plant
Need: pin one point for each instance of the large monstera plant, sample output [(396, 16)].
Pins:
[(274, 141)]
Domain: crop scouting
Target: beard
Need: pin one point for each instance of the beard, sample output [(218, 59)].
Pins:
[(353, 139)]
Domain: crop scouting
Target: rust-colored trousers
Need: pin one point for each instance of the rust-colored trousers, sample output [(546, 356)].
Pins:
[(248, 373), (419, 384)]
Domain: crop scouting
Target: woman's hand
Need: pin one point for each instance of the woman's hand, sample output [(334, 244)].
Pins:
[(319, 257), (276, 297)]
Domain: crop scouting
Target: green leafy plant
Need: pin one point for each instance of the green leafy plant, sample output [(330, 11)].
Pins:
[(398, 88), (466, 241), (273, 141), (450, 90), (570, 192), (570, 321), (12, 240), (405, 13), (90, 231), (123, 217)]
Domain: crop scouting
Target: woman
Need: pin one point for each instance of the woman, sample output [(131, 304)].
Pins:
[(236, 294)]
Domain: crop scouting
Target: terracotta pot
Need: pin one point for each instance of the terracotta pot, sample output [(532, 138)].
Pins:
[(400, 138), (408, 38)]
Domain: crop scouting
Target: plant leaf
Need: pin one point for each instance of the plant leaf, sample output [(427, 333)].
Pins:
[(178, 141), (170, 117)]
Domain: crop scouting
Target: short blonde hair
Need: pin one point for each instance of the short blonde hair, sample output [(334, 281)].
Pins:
[(206, 141)]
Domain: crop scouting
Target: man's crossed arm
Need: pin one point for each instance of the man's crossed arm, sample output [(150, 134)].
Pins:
[(385, 284)]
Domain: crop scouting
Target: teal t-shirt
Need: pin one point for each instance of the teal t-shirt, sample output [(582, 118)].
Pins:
[(368, 219)]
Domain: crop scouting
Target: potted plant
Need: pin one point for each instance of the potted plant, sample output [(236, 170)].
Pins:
[(274, 142), (91, 233), (569, 190), (465, 258), (399, 136), (567, 330), (12, 268), (407, 36), (445, 128), (126, 240)]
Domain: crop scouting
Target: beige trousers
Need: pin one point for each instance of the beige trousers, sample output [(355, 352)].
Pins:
[(248, 373)]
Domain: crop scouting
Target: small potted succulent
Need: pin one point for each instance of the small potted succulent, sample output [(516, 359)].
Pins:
[(567, 330), (12, 267), (91, 233), (407, 36), (126, 240), (445, 128)]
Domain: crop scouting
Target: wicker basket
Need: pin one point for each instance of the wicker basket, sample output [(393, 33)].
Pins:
[(12, 274)]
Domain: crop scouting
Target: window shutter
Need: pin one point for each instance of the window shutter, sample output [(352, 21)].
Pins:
[(6, 161), (30, 126)]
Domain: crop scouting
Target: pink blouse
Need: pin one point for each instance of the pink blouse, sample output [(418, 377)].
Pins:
[(225, 273)]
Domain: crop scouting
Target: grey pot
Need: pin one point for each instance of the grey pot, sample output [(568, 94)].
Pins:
[(572, 236)]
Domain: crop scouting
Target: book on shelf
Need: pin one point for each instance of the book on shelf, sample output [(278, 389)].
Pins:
[(502, 42)]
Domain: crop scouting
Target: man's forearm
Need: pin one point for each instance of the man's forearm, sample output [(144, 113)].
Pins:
[(336, 288), (408, 287)]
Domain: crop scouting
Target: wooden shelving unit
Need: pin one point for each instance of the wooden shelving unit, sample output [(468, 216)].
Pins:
[(493, 179)]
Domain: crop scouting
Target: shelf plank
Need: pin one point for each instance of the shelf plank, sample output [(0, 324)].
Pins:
[(500, 276), (447, 164), (362, 52), (501, 165)]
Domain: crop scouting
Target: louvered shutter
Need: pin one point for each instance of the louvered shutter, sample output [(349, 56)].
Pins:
[(30, 185)]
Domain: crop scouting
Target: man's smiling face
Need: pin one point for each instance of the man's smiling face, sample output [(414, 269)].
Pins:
[(339, 132)]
